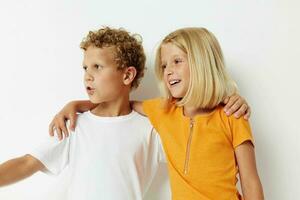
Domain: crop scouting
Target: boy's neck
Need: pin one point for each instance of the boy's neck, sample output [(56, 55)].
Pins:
[(119, 107)]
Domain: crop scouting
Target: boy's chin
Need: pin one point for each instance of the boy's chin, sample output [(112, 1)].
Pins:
[(94, 101)]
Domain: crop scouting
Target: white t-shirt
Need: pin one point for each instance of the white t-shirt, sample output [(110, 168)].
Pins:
[(109, 158)]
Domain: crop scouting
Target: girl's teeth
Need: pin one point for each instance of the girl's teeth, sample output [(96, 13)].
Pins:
[(173, 82)]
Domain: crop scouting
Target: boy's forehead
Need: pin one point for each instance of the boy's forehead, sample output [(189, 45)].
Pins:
[(97, 53)]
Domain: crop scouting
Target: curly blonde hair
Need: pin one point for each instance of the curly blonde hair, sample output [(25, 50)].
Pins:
[(128, 48)]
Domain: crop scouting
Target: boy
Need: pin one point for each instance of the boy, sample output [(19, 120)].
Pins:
[(114, 152)]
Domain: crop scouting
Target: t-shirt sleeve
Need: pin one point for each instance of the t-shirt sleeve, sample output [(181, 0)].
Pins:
[(155, 156), (160, 150), (54, 154), (154, 111), (241, 131)]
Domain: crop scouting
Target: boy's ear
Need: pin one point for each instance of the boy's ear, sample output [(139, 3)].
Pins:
[(129, 75)]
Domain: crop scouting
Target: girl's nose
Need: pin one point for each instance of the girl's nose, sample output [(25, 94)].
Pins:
[(169, 72)]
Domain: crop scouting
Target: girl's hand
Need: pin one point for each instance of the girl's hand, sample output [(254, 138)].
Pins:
[(237, 105), (58, 123)]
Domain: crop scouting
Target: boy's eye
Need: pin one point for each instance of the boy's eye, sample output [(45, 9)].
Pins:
[(84, 68), (97, 66)]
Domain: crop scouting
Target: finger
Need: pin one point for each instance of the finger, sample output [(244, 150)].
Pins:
[(230, 103), (58, 132), (225, 101), (51, 131), (65, 131), (242, 110), (73, 119), (248, 113), (236, 106)]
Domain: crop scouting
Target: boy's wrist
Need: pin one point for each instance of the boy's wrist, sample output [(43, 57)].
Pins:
[(74, 105), (79, 106)]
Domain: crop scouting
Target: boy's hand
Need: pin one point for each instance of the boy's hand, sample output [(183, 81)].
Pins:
[(237, 105), (58, 123)]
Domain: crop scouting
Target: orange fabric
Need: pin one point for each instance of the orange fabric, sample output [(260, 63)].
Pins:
[(212, 168)]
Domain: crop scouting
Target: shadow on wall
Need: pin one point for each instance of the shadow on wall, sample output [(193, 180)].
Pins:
[(148, 87)]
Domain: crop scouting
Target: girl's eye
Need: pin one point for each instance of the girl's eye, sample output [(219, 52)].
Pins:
[(177, 61), (84, 68), (163, 66)]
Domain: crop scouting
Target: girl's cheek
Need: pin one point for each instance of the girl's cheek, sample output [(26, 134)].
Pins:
[(166, 84)]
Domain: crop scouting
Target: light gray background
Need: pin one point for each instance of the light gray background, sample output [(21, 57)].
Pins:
[(41, 70)]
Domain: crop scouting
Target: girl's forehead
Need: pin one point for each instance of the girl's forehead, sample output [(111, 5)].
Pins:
[(168, 45), (170, 49)]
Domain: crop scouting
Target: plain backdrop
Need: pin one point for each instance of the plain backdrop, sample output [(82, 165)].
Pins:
[(40, 62)]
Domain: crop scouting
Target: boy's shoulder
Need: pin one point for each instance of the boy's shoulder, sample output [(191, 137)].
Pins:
[(81, 117), (141, 120), (132, 118)]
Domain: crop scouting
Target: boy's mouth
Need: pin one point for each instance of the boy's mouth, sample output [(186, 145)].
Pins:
[(90, 90)]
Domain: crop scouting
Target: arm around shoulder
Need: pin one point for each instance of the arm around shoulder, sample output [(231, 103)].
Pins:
[(138, 107)]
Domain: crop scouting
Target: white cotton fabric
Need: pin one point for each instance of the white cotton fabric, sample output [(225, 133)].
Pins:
[(109, 158)]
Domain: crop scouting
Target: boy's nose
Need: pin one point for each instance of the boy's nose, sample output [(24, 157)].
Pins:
[(88, 77)]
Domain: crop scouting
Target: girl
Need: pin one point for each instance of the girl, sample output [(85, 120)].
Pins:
[(205, 148)]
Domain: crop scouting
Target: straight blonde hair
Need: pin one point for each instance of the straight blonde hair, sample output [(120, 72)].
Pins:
[(209, 82)]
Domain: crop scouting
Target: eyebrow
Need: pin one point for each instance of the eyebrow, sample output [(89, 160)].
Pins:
[(177, 55)]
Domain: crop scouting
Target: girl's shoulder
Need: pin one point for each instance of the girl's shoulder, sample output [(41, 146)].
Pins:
[(237, 130), (159, 104), (219, 110)]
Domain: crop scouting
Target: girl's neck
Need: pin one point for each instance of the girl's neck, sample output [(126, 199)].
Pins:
[(191, 112)]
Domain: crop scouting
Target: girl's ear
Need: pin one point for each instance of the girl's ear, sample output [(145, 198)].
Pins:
[(129, 75)]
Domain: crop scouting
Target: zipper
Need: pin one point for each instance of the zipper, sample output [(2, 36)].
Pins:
[(188, 147)]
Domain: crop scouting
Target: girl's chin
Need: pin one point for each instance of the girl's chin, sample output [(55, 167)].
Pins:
[(177, 96)]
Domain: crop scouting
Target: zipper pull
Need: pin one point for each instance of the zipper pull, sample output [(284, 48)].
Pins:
[(191, 122)]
